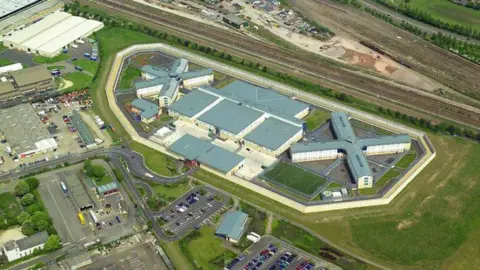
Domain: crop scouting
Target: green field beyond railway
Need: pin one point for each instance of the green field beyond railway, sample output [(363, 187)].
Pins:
[(446, 11), (294, 178)]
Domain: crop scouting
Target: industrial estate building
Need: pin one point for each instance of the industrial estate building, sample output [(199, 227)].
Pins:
[(26, 135), (355, 149), (16, 249), (235, 21), (52, 34), (255, 117), (17, 81), (232, 226), (162, 84), (10, 7)]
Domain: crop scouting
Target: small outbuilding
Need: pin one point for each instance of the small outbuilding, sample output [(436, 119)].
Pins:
[(235, 21), (232, 226)]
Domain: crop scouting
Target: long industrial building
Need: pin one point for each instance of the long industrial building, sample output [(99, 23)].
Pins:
[(52, 34), (254, 117), (355, 149), (26, 135), (23, 81), (162, 84)]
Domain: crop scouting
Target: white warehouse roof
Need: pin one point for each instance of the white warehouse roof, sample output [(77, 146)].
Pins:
[(36, 28), (82, 30), (49, 34)]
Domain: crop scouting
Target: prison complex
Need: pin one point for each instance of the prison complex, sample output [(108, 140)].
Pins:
[(355, 149)]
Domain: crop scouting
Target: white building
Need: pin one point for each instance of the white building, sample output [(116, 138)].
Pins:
[(52, 34), (17, 249)]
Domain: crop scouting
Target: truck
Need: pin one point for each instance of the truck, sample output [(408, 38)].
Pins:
[(64, 187), (79, 41), (94, 217), (93, 58), (55, 72), (86, 55), (74, 46)]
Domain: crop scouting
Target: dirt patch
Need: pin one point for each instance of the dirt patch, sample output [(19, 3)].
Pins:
[(369, 61), (404, 224), (11, 234)]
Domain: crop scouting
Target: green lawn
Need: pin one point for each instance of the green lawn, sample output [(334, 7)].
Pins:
[(156, 161), (316, 118), (104, 180), (80, 81), (128, 76), (392, 173), (170, 191), (87, 65), (206, 250), (294, 178), (5, 62), (47, 60), (447, 11), (406, 160), (176, 256)]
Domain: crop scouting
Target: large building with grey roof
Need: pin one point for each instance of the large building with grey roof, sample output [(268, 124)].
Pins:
[(25, 133), (147, 110), (164, 84), (355, 149), (206, 153), (16, 249), (256, 118)]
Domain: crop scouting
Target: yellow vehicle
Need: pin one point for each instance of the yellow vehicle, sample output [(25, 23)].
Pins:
[(82, 219)]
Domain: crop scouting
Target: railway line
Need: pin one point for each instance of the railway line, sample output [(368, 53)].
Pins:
[(338, 78)]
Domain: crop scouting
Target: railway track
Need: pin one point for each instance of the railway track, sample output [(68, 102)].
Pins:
[(328, 75)]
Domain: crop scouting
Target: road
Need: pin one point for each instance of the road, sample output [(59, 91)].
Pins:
[(399, 17)]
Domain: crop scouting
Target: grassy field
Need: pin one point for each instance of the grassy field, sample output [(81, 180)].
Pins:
[(5, 62), (87, 65), (156, 161), (294, 178), (174, 191), (392, 173), (176, 256), (447, 11), (316, 118), (80, 81), (128, 76), (47, 60), (206, 250), (433, 224), (56, 67), (406, 160)]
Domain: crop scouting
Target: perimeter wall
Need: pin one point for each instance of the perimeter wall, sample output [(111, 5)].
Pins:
[(287, 90)]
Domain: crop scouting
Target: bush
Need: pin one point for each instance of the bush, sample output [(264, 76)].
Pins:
[(27, 200), (32, 209), (32, 182), (53, 243), (22, 217), (22, 188), (28, 227)]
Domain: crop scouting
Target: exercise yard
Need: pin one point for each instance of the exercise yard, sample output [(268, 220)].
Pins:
[(294, 178)]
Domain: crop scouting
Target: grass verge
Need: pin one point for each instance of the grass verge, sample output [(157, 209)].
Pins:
[(406, 160), (128, 76), (392, 173), (87, 65), (316, 118), (80, 81), (39, 59), (156, 161)]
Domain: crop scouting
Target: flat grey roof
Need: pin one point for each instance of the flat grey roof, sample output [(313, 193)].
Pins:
[(22, 127), (150, 83), (193, 148), (246, 92), (32, 240), (235, 19), (148, 109), (272, 133), (31, 75), (155, 71), (342, 127), (384, 140), (230, 116), (193, 103), (6, 88), (82, 129), (196, 73)]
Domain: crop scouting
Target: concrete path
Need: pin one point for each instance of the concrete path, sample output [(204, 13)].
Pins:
[(268, 230)]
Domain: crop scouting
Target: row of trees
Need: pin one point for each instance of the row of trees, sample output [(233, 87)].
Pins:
[(426, 17), (247, 65)]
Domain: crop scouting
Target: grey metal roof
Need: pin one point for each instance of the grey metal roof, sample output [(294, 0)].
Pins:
[(232, 224), (220, 159), (22, 127), (190, 147), (150, 83), (169, 88), (32, 241), (272, 133), (107, 187), (234, 19), (179, 66), (350, 144), (193, 103), (247, 92), (196, 73), (148, 109), (82, 129), (31, 75), (193, 148), (155, 71), (230, 116), (342, 127)]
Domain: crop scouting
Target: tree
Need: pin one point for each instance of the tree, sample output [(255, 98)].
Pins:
[(32, 209), (53, 243), (32, 182), (22, 217), (39, 215), (98, 171), (27, 199), (22, 188), (41, 225), (28, 227)]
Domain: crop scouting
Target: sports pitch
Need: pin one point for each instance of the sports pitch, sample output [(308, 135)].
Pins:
[(294, 178)]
